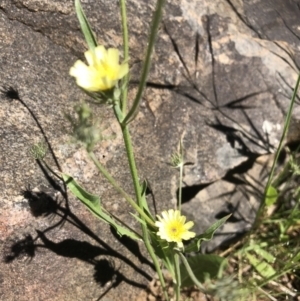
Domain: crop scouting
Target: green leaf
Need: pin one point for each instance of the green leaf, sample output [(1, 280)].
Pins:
[(144, 205), (264, 254), (92, 202), (140, 220), (144, 188), (296, 258), (160, 246), (143, 199), (261, 266), (206, 236), (85, 26), (271, 196), (162, 250), (203, 266)]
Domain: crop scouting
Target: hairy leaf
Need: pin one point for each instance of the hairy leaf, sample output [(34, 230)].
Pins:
[(85, 26), (202, 265), (92, 202), (206, 236)]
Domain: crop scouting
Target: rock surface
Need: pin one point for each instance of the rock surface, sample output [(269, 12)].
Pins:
[(222, 75)]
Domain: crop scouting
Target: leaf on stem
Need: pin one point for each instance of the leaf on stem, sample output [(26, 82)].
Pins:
[(93, 203), (271, 196), (203, 266), (163, 251), (85, 26), (144, 201), (206, 236)]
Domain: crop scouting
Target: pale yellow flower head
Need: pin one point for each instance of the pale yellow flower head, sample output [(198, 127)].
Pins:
[(102, 72), (172, 227)]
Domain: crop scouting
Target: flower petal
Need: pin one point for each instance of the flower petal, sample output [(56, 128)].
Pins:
[(100, 53), (188, 235), (102, 72), (123, 70), (78, 69), (90, 57), (113, 56), (172, 227), (188, 225)]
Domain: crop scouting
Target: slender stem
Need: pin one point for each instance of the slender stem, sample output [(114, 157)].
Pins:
[(126, 54), (191, 273), (132, 165), (110, 179), (285, 130), (147, 63), (155, 261), (178, 276), (180, 187), (126, 135), (137, 189)]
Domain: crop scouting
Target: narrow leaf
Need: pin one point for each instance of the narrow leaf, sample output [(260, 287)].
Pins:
[(162, 250), (85, 26), (141, 221), (264, 254), (296, 258), (203, 266), (92, 202), (262, 267), (271, 196), (206, 236), (144, 200)]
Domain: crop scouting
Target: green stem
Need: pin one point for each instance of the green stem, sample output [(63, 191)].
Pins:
[(285, 130), (132, 165), (147, 63), (110, 179), (125, 131), (191, 273), (155, 261), (126, 54), (180, 187), (137, 189), (178, 276)]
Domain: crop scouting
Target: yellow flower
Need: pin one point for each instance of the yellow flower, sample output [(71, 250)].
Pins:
[(172, 227), (103, 70)]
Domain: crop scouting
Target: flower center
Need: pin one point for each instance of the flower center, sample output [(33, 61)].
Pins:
[(174, 230)]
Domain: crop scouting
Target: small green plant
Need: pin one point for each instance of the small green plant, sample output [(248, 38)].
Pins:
[(268, 258), (166, 237)]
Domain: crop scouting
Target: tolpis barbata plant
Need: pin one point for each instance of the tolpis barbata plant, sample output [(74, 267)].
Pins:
[(168, 237)]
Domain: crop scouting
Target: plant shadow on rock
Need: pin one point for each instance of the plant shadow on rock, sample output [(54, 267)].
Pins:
[(47, 204), (238, 193), (132, 246)]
